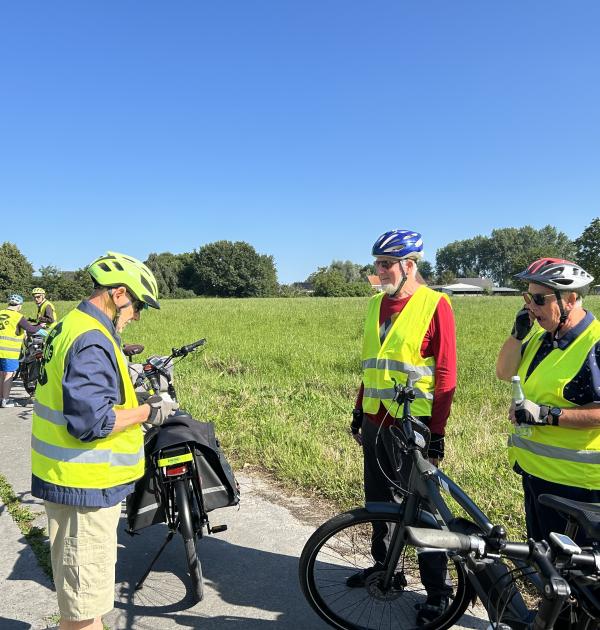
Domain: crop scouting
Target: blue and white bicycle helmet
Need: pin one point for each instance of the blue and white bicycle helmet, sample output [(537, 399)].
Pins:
[(15, 299), (400, 244)]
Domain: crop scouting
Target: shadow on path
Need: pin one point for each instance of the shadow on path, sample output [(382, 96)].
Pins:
[(238, 580)]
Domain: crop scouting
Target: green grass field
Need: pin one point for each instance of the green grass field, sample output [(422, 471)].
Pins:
[(279, 378)]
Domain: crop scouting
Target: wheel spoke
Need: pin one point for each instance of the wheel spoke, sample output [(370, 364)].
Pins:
[(342, 547)]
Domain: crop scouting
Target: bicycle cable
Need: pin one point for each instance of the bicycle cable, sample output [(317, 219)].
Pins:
[(513, 574), (396, 485)]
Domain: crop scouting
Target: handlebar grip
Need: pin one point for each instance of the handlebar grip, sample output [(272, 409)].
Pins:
[(590, 561), (442, 539), (192, 346)]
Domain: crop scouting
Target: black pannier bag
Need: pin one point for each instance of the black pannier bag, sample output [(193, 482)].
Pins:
[(219, 487)]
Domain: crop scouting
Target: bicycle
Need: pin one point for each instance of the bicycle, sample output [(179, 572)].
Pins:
[(552, 561), (30, 360), (393, 590), (186, 476)]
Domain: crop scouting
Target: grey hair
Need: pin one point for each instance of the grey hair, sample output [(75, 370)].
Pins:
[(578, 302)]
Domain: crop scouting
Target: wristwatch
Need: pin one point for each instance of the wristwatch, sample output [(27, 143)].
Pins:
[(553, 415)]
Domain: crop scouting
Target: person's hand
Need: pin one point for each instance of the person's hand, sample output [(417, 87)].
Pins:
[(529, 412), (356, 425), (522, 325), (436, 449), (160, 409), (142, 396)]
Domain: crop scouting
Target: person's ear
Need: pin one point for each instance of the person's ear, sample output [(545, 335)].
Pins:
[(572, 299)]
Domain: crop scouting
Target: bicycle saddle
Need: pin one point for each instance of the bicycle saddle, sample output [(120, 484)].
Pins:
[(586, 514), (131, 349)]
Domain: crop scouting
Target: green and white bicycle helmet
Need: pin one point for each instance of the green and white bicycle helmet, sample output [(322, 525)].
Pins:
[(116, 270)]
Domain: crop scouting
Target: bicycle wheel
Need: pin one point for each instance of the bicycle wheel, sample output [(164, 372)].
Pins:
[(341, 547), (29, 376), (186, 528)]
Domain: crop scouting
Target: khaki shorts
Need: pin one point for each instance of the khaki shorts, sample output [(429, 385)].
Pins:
[(83, 547)]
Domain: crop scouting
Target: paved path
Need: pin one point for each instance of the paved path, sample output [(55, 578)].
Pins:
[(250, 570)]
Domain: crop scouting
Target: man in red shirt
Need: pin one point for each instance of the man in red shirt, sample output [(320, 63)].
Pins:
[(408, 328)]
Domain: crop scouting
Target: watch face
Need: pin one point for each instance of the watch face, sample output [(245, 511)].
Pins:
[(555, 411)]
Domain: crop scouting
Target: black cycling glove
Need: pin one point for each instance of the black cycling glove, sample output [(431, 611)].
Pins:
[(522, 325), (436, 446), (529, 412), (357, 418)]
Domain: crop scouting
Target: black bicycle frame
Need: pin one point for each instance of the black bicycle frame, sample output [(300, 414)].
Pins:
[(425, 505)]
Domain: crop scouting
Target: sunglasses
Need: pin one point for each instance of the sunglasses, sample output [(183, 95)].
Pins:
[(386, 264), (539, 299), (138, 306)]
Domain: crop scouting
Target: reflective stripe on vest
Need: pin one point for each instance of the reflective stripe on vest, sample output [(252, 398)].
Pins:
[(10, 341), (56, 456), (83, 456), (561, 455), (399, 355)]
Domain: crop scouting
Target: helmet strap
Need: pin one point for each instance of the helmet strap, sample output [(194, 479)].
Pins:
[(563, 316), (402, 282)]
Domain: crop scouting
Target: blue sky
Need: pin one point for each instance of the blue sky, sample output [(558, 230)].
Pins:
[(305, 128)]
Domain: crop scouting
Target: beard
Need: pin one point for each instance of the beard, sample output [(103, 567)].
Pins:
[(390, 289)]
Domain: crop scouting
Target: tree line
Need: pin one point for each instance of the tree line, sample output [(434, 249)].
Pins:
[(509, 250), (222, 268), (236, 269)]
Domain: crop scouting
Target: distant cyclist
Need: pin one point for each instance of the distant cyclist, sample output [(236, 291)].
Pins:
[(46, 313), (556, 445), (13, 327)]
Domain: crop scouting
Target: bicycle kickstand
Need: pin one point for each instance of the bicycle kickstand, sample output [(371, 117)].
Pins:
[(139, 585)]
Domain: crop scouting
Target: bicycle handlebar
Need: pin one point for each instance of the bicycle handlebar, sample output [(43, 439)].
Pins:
[(185, 350), (443, 539), (537, 553)]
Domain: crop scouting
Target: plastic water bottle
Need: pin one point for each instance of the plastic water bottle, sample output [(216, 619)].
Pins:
[(518, 395), (518, 398)]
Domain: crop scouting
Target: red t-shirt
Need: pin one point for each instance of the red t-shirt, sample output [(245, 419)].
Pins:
[(440, 343)]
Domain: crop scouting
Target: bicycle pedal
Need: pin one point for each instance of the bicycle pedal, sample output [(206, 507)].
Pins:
[(218, 528)]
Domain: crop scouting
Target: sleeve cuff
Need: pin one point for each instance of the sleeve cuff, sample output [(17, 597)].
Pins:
[(109, 423)]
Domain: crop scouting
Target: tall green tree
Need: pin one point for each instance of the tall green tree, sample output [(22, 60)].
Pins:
[(83, 281), (426, 270), (588, 249), (229, 269), (15, 271), (49, 279)]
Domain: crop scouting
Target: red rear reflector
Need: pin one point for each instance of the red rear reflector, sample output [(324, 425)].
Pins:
[(173, 471), (39, 355)]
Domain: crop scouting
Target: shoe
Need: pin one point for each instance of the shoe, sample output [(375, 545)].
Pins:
[(4, 404), (433, 608), (358, 579)]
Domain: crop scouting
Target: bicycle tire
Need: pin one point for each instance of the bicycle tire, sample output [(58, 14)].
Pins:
[(342, 546), (186, 528), (29, 376)]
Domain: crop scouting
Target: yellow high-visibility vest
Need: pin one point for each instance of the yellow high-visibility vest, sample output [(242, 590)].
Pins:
[(400, 354), (558, 454), (10, 340), (56, 456), (42, 307)]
